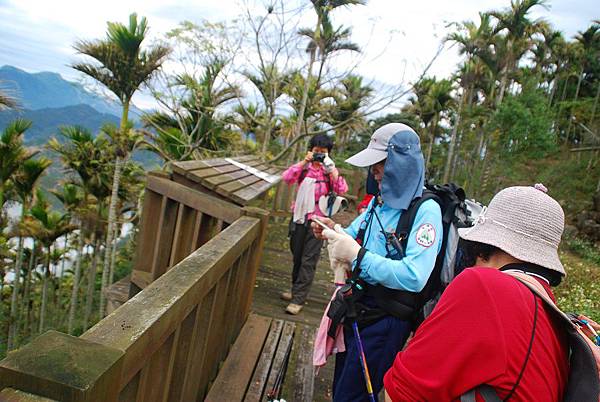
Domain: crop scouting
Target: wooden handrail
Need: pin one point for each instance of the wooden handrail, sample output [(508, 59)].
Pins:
[(166, 343)]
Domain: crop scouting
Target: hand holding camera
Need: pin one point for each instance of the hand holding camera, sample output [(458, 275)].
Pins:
[(328, 164), (319, 157)]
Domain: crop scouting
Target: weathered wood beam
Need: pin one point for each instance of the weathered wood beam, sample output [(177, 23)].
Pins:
[(143, 324), (65, 368), (195, 199)]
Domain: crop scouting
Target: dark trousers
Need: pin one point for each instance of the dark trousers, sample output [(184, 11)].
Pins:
[(306, 249), (381, 342)]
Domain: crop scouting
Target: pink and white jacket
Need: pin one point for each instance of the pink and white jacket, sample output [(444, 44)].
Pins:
[(292, 174)]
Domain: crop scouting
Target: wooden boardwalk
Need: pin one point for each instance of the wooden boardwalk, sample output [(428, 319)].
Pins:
[(274, 276)]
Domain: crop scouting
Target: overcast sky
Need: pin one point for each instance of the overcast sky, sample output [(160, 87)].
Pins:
[(38, 35)]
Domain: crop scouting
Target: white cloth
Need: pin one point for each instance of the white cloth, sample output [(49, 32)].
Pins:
[(338, 267), (305, 199)]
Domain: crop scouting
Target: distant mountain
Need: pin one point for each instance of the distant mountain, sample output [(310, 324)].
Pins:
[(47, 121), (49, 90)]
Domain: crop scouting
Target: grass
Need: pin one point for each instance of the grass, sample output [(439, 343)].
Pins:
[(580, 291)]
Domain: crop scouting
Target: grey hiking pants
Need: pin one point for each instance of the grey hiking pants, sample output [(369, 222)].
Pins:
[(306, 249)]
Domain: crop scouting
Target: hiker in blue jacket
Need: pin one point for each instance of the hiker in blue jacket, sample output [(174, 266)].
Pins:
[(392, 277)]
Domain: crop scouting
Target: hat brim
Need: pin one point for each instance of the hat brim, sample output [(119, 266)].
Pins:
[(367, 157), (521, 247)]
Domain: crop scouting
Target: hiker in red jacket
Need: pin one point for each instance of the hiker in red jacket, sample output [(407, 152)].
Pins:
[(488, 328)]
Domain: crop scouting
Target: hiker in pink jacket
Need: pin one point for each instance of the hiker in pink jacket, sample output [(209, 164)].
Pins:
[(316, 176)]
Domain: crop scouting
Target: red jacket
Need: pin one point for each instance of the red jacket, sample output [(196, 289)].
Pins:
[(479, 333)]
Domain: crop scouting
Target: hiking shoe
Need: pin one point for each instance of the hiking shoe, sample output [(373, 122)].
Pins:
[(287, 296), (293, 309)]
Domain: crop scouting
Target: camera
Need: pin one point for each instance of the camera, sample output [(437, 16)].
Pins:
[(319, 157)]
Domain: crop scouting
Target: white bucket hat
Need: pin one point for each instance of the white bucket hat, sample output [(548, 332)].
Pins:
[(524, 222)]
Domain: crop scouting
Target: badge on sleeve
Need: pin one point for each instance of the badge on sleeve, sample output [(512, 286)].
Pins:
[(426, 235)]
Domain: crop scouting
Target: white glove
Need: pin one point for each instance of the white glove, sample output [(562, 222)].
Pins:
[(342, 246), (328, 164)]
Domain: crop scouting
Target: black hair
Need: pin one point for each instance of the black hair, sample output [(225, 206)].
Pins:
[(470, 250), (321, 140)]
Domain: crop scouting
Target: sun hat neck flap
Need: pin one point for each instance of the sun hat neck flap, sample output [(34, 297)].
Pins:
[(524, 222), (404, 170)]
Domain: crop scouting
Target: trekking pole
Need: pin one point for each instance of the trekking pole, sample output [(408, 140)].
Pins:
[(275, 392), (351, 314)]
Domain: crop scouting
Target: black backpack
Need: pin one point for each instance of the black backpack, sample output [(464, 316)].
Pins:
[(457, 212)]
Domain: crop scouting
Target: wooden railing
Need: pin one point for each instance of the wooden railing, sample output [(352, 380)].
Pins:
[(176, 220), (166, 343), (278, 203)]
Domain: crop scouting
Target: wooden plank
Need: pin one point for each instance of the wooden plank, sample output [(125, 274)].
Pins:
[(225, 167), (203, 176), (154, 376), (255, 253), (207, 230), (183, 356), (195, 199), (232, 382), (249, 193), (14, 395), (119, 291), (190, 165), (246, 287), (303, 382), (148, 233), (215, 181), (193, 380), (261, 373), (282, 355), (215, 342), (231, 187), (141, 278), (184, 234), (228, 188), (129, 391), (202, 169), (164, 240)]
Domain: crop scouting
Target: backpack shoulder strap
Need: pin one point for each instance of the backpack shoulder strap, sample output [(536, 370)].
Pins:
[(584, 372), (407, 218), (485, 391), (303, 174)]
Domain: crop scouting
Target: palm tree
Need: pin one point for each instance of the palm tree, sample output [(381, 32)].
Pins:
[(123, 67), (46, 226), (196, 127), (25, 182), (270, 83), (87, 158), (73, 199), (12, 155), (7, 101), (348, 114), (519, 29), (322, 38), (432, 99)]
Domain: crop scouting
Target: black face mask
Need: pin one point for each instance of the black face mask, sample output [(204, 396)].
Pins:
[(372, 187)]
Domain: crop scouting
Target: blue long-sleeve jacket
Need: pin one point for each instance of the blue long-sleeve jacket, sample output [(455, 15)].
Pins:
[(424, 243)]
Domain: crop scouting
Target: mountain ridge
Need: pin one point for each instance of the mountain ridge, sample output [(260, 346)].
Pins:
[(47, 89)]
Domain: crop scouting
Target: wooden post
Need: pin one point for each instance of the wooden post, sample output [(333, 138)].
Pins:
[(65, 368), (256, 256)]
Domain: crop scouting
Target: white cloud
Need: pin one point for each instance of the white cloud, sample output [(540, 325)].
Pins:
[(398, 37)]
